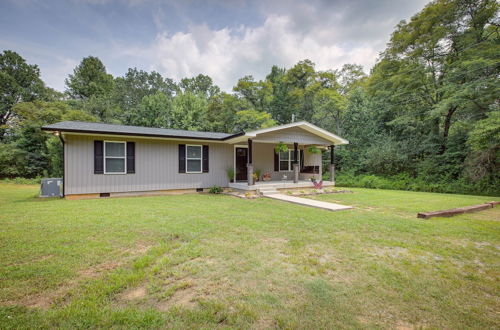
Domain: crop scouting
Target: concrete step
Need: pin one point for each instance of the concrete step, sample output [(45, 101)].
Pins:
[(268, 191)]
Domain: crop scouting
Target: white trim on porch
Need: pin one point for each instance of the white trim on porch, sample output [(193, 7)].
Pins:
[(334, 139)]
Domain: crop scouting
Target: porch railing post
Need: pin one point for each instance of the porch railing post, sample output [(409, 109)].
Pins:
[(332, 163), (250, 163), (295, 162)]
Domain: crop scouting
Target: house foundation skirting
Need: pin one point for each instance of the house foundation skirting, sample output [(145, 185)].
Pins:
[(134, 193)]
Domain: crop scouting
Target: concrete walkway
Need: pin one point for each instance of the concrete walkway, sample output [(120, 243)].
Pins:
[(309, 202)]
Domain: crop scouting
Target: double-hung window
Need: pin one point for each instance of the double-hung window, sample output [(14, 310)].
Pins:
[(286, 160), (115, 155), (194, 163)]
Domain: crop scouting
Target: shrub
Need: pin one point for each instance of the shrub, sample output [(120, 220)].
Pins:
[(36, 180), (406, 182), (215, 190)]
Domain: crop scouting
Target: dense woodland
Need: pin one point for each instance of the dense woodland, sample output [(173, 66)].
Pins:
[(425, 118)]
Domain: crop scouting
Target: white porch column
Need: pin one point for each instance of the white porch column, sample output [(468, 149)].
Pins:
[(250, 163), (332, 163), (295, 162)]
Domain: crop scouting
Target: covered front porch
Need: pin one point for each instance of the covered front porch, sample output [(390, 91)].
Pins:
[(288, 156)]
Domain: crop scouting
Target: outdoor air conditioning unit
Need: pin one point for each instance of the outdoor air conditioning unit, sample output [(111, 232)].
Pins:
[(51, 187)]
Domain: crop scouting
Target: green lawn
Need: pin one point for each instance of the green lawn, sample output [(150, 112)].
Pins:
[(211, 261)]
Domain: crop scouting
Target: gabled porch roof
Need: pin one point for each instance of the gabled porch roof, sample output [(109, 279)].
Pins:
[(266, 133)]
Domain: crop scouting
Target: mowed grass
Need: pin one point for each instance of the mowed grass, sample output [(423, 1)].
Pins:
[(207, 261)]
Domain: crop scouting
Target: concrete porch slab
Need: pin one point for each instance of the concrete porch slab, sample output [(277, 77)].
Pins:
[(277, 185), (310, 202)]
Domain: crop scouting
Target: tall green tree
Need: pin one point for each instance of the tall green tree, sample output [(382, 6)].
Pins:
[(19, 82), (199, 85), (130, 90), (189, 112), (153, 111), (247, 120), (89, 79)]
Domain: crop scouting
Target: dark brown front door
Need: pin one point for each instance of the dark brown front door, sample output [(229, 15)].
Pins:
[(241, 164)]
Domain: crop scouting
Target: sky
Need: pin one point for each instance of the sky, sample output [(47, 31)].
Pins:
[(225, 39)]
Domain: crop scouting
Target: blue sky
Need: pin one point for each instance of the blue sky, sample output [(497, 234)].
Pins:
[(222, 38)]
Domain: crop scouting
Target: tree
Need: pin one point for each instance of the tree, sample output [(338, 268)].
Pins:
[(329, 107), (19, 82), (247, 120), (300, 80), (221, 112), (130, 90), (425, 61), (31, 152), (189, 112), (258, 94), (154, 111), (89, 79), (199, 85)]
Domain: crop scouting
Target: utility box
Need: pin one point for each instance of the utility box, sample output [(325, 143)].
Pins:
[(51, 187)]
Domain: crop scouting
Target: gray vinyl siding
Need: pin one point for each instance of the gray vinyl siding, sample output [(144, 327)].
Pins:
[(156, 167), (291, 135), (263, 159)]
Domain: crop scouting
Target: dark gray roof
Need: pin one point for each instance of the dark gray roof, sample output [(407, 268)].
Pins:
[(100, 128)]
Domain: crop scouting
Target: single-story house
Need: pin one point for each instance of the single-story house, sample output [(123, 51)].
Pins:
[(111, 160)]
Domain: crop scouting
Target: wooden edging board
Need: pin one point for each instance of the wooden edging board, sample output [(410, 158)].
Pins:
[(460, 210)]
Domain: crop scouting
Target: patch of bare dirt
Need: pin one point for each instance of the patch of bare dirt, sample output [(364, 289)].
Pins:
[(140, 248), (38, 259), (185, 298), (46, 299), (98, 270), (393, 252), (134, 293)]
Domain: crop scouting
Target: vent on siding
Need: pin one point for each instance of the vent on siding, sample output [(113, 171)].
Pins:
[(199, 189), (104, 195)]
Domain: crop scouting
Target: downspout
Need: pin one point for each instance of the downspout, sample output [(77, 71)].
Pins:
[(64, 163)]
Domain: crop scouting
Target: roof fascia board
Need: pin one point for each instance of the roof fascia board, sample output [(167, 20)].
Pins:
[(158, 136), (142, 137)]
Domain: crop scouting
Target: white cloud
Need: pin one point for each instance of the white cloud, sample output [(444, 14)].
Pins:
[(228, 54)]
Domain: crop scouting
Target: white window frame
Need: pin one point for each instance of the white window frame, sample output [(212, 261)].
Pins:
[(116, 157), (200, 159), (289, 160)]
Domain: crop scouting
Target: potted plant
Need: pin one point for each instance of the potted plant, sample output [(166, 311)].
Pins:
[(266, 177), (230, 174), (257, 173), (281, 147)]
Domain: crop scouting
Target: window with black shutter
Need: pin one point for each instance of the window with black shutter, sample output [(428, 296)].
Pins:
[(98, 157), (182, 158), (205, 159), (130, 157)]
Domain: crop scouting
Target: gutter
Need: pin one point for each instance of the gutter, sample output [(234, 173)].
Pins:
[(139, 134), (59, 133)]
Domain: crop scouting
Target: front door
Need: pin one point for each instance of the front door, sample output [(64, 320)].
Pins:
[(241, 164)]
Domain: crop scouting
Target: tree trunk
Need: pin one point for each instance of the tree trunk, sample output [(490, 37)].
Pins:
[(446, 129)]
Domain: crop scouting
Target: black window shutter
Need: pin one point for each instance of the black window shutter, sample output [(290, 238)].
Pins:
[(98, 157), (301, 160), (130, 157), (276, 161), (182, 158), (205, 159)]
